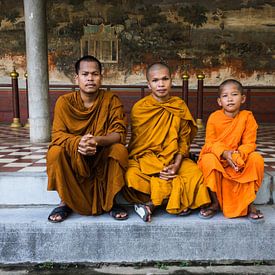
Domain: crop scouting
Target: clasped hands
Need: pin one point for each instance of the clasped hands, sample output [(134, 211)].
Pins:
[(169, 172), (227, 155), (87, 145)]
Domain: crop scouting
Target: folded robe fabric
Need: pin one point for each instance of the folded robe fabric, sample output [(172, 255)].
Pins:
[(87, 184), (235, 190), (160, 130)]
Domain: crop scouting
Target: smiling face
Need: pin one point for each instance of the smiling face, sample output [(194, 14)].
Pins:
[(231, 99), (88, 78), (160, 82)]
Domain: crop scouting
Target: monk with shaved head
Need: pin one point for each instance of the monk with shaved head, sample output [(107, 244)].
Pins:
[(233, 171), (160, 171)]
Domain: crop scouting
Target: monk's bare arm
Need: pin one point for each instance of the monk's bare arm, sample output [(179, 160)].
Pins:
[(107, 140), (88, 143)]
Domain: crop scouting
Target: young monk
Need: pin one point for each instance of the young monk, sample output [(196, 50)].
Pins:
[(233, 171), (87, 160), (160, 171)]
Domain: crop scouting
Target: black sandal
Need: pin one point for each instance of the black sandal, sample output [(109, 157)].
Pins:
[(185, 213), (118, 210), (63, 211)]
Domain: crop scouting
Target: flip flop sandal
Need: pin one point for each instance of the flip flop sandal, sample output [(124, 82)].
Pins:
[(117, 210), (63, 211), (185, 213), (211, 215), (256, 220), (142, 211)]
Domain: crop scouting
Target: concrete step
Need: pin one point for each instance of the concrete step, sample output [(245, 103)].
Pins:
[(27, 237), (31, 189)]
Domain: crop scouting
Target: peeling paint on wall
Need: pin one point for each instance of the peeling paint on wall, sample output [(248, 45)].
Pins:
[(220, 38)]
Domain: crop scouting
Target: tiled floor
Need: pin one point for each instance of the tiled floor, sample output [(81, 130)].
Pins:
[(17, 154)]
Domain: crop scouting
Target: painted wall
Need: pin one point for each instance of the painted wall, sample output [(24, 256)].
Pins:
[(232, 38)]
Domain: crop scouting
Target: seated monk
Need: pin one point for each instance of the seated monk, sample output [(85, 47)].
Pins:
[(233, 171), (160, 171), (86, 160)]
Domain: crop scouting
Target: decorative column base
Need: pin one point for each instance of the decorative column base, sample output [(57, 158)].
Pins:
[(199, 123), (27, 124), (16, 123)]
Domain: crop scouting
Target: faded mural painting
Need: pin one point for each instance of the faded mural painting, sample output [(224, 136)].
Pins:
[(222, 39)]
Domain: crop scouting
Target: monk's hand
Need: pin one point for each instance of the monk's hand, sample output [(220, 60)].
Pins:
[(87, 145), (227, 155), (169, 172)]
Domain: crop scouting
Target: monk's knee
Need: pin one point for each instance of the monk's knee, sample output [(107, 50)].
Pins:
[(119, 153), (118, 147), (208, 159), (131, 173), (55, 153), (256, 158)]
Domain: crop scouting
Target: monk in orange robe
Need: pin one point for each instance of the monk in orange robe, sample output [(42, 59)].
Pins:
[(233, 171), (87, 160), (160, 171)]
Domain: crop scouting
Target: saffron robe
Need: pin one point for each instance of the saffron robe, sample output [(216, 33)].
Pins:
[(161, 130), (87, 184), (235, 190)]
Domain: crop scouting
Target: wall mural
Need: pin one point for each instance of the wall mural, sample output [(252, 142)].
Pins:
[(233, 38)]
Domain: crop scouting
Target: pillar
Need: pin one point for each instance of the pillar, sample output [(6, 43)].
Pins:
[(37, 68), (185, 78), (15, 99), (200, 78)]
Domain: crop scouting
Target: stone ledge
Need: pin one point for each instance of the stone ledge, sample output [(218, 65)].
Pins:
[(31, 189), (27, 236)]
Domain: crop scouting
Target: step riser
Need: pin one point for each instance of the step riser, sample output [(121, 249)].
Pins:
[(167, 238), (31, 189)]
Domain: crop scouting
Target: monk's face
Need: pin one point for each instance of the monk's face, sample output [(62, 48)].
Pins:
[(231, 99), (159, 81), (88, 77)]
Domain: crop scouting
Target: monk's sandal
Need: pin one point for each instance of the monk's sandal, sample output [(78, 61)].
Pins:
[(142, 211)]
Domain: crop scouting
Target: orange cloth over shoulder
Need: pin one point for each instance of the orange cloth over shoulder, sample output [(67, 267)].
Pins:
[(87, 184), (160, 130), (235, 190)]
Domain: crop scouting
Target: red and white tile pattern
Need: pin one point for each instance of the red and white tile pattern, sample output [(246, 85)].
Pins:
[(17, 154)]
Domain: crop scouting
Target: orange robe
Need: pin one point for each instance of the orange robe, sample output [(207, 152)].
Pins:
[(87, 184), (159, 132), (235, 190)]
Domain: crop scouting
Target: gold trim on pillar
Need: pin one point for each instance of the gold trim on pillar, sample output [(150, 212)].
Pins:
[(200, 76), (14, 74), (185, 75), (199, 123), (16, 123), (27, 124)]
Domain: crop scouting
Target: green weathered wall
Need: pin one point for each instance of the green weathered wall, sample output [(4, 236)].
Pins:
[(220, 38)]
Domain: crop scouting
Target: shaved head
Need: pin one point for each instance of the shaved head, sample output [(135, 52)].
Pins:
[(231, 82), (157, 66)]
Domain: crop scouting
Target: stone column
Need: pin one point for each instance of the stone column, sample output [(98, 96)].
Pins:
[(37, 69)]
